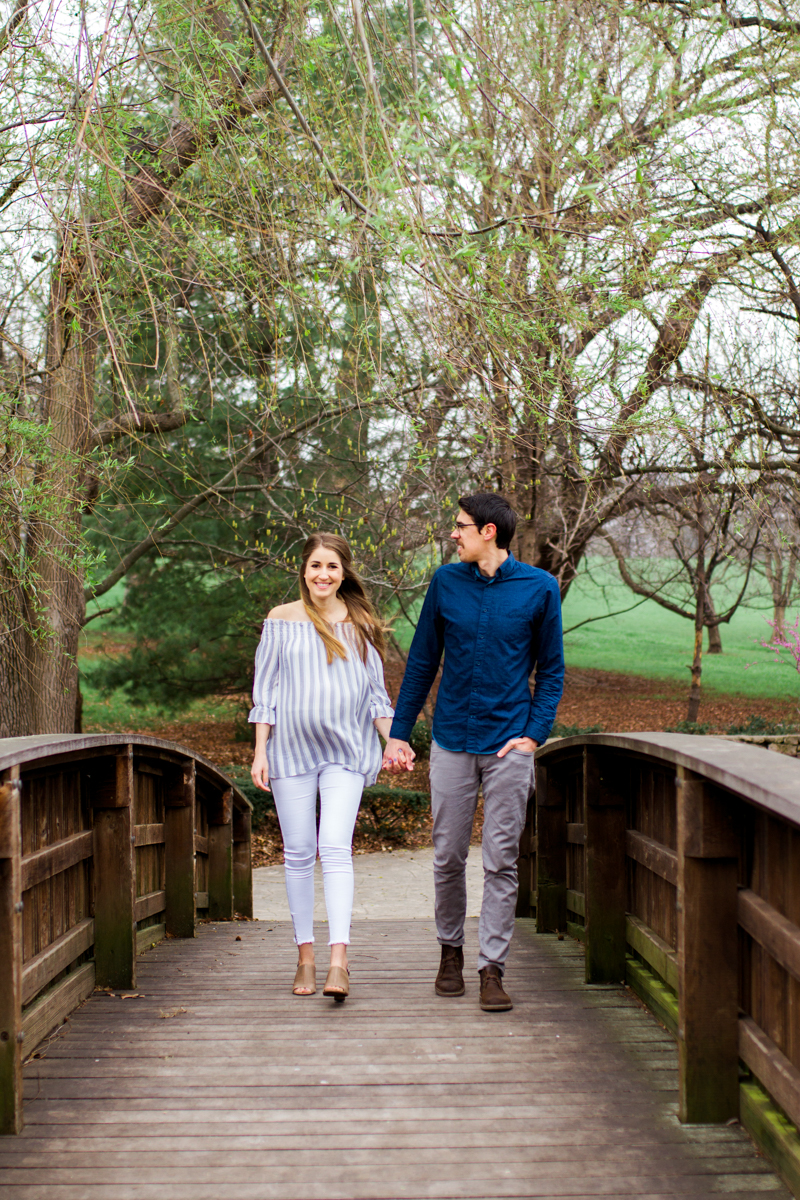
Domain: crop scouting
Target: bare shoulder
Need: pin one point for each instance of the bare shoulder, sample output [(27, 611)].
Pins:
[(288, 612)]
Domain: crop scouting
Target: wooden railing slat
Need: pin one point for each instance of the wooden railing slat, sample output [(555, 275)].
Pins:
[(148, 835), (771, 1067), (38, 971), (51, 1009), (44, 864), (776, 933), (654, 950), (651, 854), (149, 905)]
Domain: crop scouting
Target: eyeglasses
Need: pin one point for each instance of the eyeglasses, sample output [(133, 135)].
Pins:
[(459, 525)]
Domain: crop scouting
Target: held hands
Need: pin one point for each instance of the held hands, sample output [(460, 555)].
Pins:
[(259, 772), (398, 756), (526, 744)]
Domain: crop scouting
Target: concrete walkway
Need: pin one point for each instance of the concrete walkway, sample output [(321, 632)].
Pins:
[(391, 886)]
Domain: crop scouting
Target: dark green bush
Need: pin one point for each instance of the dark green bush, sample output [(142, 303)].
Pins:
[(755, 726), (391, 813), (421, 739), (687, 727), (560, 730)]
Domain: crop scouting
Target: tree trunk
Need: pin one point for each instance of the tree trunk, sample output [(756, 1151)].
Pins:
[(699, 620), (714, 634), (45, 602), (778, 622)]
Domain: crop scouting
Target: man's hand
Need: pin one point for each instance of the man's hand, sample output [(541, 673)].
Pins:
[(526, 744), (398, 756)]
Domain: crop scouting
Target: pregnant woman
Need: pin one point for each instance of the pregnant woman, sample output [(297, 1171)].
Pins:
[(319, 702)]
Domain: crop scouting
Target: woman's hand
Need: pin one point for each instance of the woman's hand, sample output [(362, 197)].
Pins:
[(259, 772), (398, 756)]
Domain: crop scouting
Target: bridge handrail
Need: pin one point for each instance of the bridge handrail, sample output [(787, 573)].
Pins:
[(675, 858), (108, 842)]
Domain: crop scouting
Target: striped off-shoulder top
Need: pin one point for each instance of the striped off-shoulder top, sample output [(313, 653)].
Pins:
[(320, 713)]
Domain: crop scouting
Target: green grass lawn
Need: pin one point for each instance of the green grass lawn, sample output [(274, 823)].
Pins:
[(653, 642), (647, 641), (658, 644)]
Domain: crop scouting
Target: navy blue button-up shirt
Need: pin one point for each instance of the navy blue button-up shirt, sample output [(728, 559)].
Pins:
[(493, 631)]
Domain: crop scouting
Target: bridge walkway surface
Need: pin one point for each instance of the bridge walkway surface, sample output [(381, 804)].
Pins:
[(209, 1081)]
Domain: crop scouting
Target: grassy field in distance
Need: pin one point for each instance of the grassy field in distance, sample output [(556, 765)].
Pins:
[(650, 641)]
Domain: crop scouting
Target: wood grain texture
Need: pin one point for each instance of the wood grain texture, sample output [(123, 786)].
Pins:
[(213, 1080), (56, 858), (771, 1068), (708, 1034), (59, 955), (653, 855), (115, 878), (11, 935), (605, 893), (56, 1004)]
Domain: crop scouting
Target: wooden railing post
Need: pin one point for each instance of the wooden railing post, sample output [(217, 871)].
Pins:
[(242, 862), (111, 791), (606, 882), (10, 954), (220, 858), (708, 1053), (179, 801), (551, 850), (526, 864)]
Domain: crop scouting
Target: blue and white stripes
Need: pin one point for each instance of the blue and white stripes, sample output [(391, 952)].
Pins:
[(319, 713)]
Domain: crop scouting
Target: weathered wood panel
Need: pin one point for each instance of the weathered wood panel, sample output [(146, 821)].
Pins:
[(218, 1082)]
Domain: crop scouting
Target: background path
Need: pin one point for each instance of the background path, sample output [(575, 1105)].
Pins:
[(393, 884)]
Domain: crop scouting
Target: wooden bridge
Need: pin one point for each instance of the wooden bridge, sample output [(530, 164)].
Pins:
[(149, 1041)]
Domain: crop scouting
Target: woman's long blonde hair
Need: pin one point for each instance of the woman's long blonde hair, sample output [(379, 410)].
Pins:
[(367, 624)]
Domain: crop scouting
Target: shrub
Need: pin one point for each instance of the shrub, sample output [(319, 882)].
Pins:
[(755, 725), (391, 813), (560, 730), (421, 739), (687, 727)]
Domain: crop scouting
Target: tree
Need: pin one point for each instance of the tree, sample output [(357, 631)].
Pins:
[(364, 257), (597, 219)]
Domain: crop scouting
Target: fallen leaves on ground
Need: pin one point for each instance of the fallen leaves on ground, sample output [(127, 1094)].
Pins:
[(619, 703)]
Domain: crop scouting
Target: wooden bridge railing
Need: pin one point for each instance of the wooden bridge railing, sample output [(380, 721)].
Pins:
[(676, 859), (107, 843)]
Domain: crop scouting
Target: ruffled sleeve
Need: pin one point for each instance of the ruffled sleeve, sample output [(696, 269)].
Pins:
[(265, 683), (379, 703)]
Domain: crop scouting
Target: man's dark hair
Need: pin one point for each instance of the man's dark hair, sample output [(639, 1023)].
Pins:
[(487, 508)]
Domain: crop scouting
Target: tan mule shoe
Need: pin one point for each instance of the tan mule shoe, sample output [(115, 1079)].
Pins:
[(305, 977), (337, 984)]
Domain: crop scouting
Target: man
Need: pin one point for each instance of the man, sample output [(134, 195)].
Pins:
[(495, 619)]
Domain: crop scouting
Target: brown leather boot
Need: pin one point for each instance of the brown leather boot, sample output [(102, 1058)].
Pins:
[(493, 997), (450, 980)]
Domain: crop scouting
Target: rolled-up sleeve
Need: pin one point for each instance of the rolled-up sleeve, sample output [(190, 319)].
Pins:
[(380, 704), (549, 682), (265, 683)]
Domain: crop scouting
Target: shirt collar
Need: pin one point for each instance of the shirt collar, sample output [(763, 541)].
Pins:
[(503, 571)]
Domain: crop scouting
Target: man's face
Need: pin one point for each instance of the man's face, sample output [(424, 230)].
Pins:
[(470, 542)]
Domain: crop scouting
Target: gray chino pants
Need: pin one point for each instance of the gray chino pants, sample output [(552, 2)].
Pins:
[(507, 786)]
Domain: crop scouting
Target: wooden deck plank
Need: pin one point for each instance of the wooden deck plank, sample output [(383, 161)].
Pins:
[(215, 1080)]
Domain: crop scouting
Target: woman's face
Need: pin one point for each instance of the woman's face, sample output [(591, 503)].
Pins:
[(324, 573)]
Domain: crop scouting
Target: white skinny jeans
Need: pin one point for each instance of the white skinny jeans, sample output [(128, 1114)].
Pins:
[(296, 801)]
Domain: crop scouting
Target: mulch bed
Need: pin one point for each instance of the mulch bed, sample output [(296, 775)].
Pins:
[(617, 702)]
